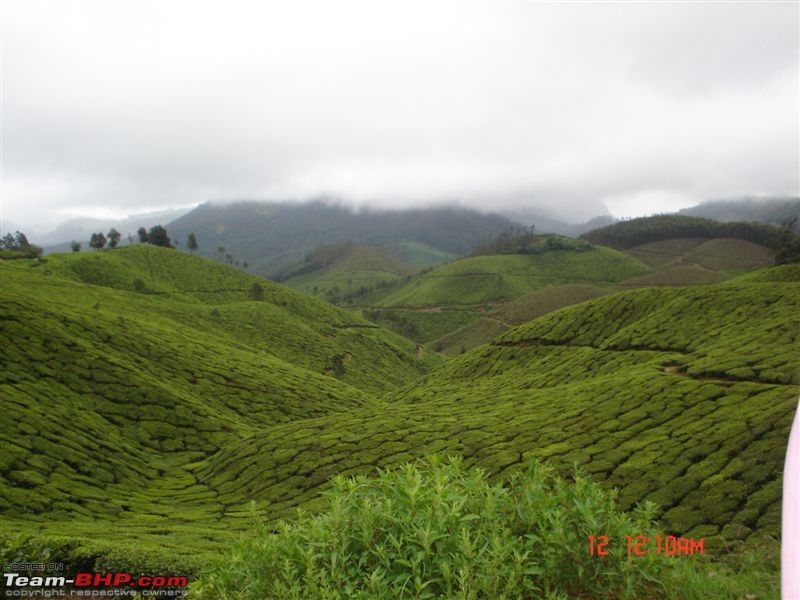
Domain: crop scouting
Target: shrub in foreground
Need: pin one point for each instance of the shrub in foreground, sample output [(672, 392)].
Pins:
[(433, 529)]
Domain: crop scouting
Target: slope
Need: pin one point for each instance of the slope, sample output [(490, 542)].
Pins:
[(111, 394), (457, 295), (482, 279), (273, 236), (681, 396), (346, 271)]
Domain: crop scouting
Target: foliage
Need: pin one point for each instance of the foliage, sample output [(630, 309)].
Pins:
[(434, 529), (789, 251), (113, 237), (18, 246), (627, 234), (98, 241), (256, 292), (191, 243), (158, 237), (520, 240), (75, 246)]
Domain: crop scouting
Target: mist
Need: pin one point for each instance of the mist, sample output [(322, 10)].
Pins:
[(578, 109)]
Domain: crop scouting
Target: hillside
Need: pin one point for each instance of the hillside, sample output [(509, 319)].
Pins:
[(634, 232), (112, 393), (772, 211), (346, 271), (483, 279), (680, 396), (272, 237), (149, 424), (458, 295)]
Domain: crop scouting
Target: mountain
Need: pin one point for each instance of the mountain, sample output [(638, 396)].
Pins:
[(772, 211), (545, 222), (272, 237)]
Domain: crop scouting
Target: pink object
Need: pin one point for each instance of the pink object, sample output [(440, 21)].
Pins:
[(790, 534)]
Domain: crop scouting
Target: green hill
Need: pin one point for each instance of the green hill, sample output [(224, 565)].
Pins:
[(681, 396), (634, 232), (483, 279), (112, 394), (346, 271), (148, 424), (456, 295), (673, 262)]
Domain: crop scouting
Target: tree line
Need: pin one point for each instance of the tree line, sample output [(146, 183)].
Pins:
[(524, 240), (18, 246), (627, 234)]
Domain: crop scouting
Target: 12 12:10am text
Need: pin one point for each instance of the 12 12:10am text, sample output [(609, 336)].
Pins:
[(642, 545)]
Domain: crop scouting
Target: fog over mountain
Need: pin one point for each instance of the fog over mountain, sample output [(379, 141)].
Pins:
[(579, 109)]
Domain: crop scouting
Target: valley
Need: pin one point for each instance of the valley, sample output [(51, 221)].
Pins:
[(159, 404)]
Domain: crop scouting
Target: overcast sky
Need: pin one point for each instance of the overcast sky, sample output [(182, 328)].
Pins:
[(111, 108)]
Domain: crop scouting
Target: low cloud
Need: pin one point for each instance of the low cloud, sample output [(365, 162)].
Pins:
[(635, 106)]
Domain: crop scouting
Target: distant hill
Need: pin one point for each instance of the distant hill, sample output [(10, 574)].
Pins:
[(482, 279), (519, 275), (440, 301), (545, 223), (272, 237), (633, 232), (772, 211), (347, 270), (81, 230)]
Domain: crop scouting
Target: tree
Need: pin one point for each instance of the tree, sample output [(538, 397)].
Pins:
[(256, 292), (158, 237), (191, 243), (76, 246), (113, 237), (789, 251), (142, 232), (19, 243), (98, 241)]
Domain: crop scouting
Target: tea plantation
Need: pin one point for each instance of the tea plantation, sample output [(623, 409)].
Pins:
[(152, 423)]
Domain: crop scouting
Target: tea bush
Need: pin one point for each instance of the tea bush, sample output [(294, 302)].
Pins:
[(434, 529)]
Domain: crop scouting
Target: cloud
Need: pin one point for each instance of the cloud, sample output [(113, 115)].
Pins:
[(119, 106)]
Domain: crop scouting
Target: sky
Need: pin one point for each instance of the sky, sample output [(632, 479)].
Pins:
[(111, 108)]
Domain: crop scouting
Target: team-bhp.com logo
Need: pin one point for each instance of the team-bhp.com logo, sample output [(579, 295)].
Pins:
[(95, 584)]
